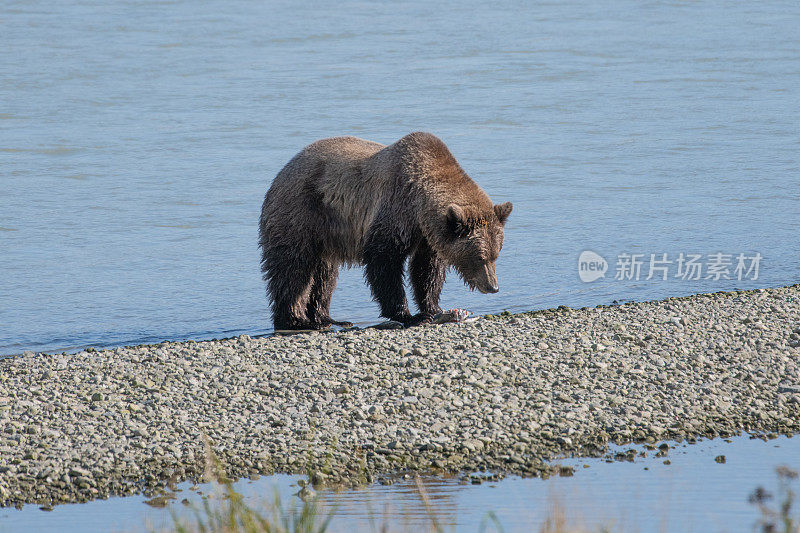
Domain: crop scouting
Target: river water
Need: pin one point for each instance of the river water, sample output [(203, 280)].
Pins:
[(137, 139)]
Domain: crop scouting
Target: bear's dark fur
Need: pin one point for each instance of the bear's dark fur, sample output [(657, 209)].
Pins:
[(349, 201)]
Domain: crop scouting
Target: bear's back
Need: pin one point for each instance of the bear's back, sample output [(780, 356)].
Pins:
[(342, 177), (343, 183)]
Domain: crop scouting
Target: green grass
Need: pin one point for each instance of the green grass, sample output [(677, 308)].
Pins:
[(236, 516), (233, 515), (778, 511)]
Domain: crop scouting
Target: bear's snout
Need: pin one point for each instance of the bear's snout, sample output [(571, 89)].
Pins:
[(487, 283)]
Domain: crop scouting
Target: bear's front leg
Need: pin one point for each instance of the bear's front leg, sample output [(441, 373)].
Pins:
[(384, 259), (427, 272)]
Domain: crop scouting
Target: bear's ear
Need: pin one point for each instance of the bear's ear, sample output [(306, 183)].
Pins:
[(457, 221), (502, 211)]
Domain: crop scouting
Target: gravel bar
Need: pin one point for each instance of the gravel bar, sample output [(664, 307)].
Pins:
[(502, 394)]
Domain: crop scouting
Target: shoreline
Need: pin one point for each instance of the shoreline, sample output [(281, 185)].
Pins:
[(219, 336), (503, 394)]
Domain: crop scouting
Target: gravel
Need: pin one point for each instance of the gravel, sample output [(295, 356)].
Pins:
[(503, 394)]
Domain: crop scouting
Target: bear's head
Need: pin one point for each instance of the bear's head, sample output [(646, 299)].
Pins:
[(473, 243)]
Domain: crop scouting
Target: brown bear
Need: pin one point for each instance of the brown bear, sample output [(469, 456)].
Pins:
[(347, 201)]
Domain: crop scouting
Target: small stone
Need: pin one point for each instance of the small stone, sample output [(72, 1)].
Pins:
[(158, 502), (76, 471), (566, 471)]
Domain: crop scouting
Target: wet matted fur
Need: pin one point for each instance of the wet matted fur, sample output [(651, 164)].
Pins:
[(347, 201)]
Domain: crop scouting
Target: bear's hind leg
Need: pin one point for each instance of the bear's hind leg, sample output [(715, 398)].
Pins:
[(289, 276), (319, 301)]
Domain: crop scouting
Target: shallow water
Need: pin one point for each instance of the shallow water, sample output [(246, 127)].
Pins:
[(137, 139), (693, 493)]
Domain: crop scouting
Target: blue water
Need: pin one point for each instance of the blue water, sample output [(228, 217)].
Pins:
[(137, 139)]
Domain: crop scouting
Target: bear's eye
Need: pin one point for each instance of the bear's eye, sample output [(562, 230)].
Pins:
[(460, 230), (458, 224)]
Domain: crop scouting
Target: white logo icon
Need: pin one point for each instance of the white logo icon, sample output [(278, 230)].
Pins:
[(591, 266)]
